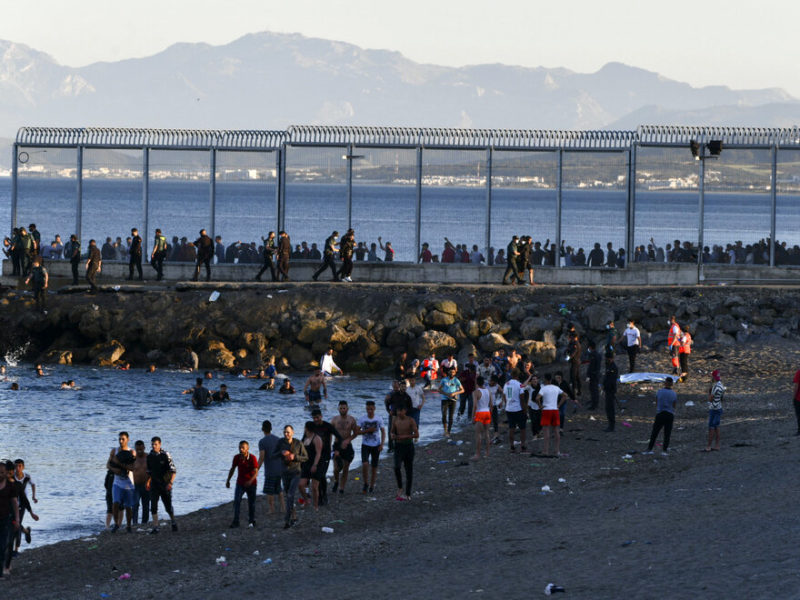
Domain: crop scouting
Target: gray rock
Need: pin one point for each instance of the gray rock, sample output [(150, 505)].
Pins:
[(734, 300), (433, 341), (597, 316), (300, 357), (541, 353), (438, 318), (533, 328), (516, 313), (491, 342), (446, 306)]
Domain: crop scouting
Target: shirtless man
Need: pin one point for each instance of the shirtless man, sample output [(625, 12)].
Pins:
[(120, 462), (404, 432), (141, 493), (311, 390), (343, 452)]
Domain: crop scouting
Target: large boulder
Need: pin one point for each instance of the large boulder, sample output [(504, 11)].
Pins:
[(446, 306), (310, 330), (533, 328), (597, 316), (541, 353), (300, 357), (217, 356), (94, 323), (436, 342), (492, 341), (106, 354), (516, 313), (58, 357), (438, 318)]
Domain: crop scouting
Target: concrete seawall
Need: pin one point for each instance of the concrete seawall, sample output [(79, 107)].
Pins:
[(637, 274)]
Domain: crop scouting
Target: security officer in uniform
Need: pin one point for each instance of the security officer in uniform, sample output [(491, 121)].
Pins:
[(93, 265), (74, 256), (205, 252), (270, 249), (135, 254), (159, 254), (328, 260), (512, 258)]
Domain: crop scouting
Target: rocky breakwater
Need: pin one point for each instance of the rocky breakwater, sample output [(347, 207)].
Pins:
[(368, 327)]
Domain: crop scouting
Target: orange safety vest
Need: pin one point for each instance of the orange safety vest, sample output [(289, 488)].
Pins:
[(686, 344), (430, 366), (674, 336)]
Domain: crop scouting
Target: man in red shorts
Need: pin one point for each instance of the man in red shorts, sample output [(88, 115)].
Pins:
[(550, 398)]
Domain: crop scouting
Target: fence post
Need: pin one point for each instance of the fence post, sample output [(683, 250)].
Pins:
[(418, 232), (631, 225), (350, 157), (559, 180), (278, 184), (146, 198), (774, 204), (213, 190), (701, 216), (79, 200), (489, 152), (14, 175)]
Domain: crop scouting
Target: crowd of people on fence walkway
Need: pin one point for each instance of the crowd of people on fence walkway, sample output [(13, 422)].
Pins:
[(521, 256)]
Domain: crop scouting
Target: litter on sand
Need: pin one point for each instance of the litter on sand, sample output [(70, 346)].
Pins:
[(214, 296)]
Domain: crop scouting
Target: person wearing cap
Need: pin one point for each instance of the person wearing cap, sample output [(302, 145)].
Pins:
[(135, 254), (715, 394), (158, 254), (328, 257), (666, 399)]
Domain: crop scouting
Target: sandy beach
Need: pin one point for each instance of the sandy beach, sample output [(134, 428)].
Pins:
[(691, 525)]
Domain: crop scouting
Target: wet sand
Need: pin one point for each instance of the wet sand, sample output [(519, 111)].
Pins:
[(692, 525)]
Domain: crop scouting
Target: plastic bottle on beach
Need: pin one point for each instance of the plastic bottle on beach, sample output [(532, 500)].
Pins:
[(327, 530)]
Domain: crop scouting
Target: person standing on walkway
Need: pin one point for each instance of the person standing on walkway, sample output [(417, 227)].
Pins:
[(270, 249), (93, 265), (205, 252), (284, 252), (610, 391), (633, 343), (666, 399), (512, 262), (135, 254), (74, 257), (158, 255), (346, 253), (328, 257)]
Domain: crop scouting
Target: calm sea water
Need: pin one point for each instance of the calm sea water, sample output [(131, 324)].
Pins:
[(246, 211), (65, 436)]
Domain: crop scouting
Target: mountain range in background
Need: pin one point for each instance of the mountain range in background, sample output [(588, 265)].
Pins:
[(270, 81)]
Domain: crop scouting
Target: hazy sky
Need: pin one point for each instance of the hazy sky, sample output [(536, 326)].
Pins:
[(739, 43)]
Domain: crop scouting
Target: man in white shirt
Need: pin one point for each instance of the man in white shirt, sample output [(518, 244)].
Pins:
[(417, 395), (633, 343), (515, 411), (550, 398)]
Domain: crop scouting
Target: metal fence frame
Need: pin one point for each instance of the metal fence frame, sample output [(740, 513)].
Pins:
[(350, 138)]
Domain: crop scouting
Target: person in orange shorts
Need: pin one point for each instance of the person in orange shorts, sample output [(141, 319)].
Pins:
[(481, 416), (550, 398)]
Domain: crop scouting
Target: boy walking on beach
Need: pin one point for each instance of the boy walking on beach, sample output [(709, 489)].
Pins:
[(371, 445), (161, 477), (273, 465), (24, 479), (404, 432), (666, 399), (120, 462), (246, 483), (715, 395), (551, 397), (343, 453)]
